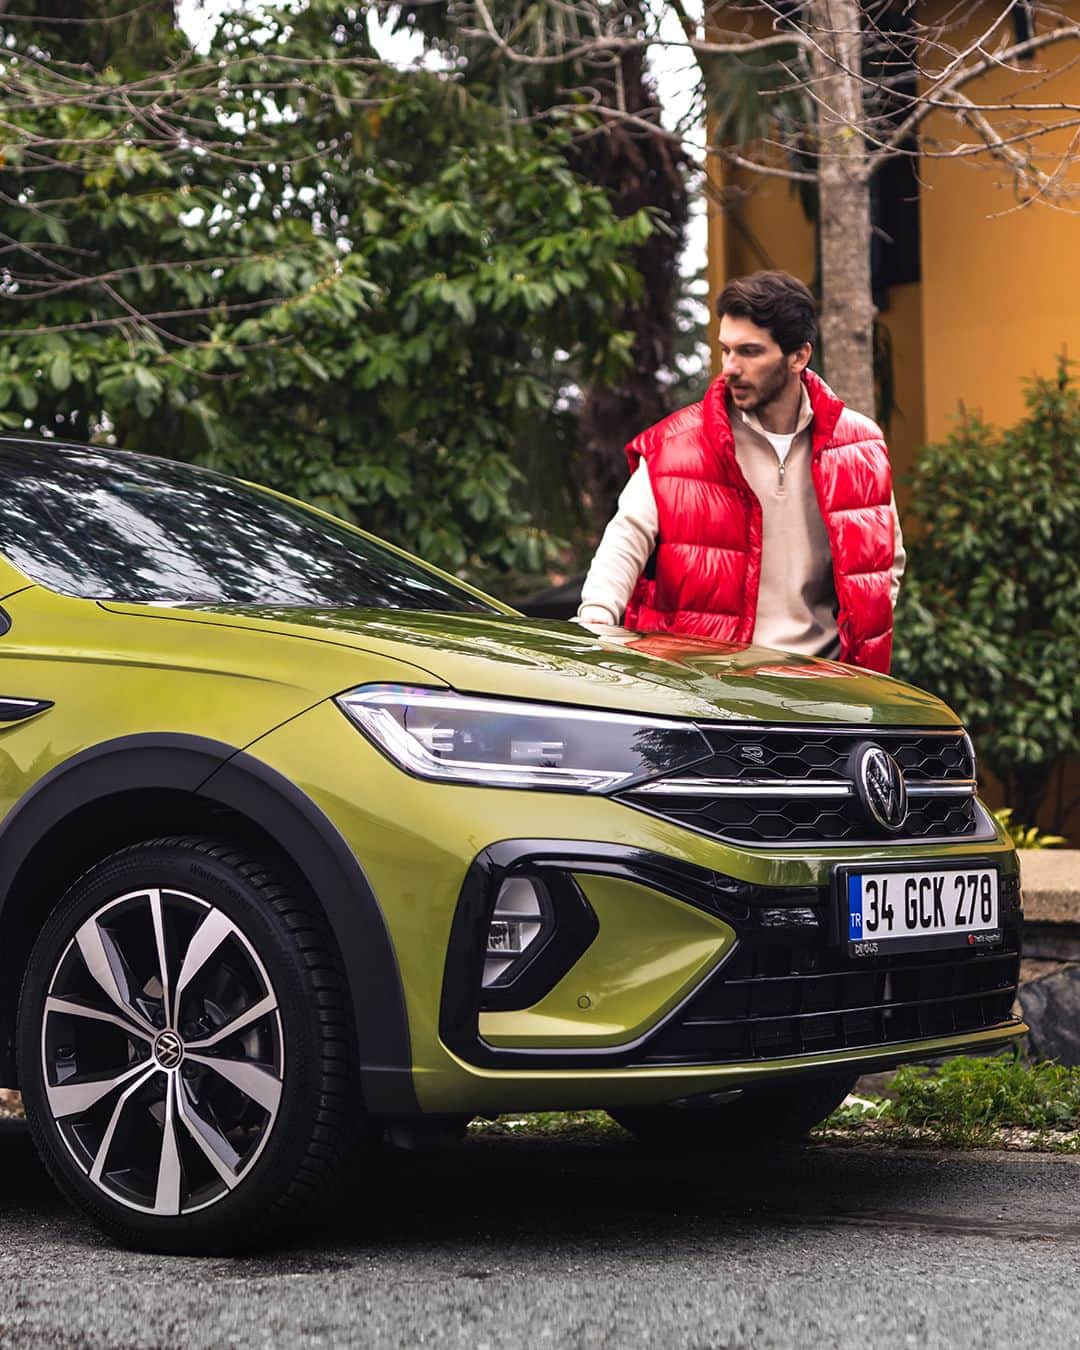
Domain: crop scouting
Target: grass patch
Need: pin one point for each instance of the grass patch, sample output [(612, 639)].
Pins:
[(594, 1125), (971, 1103), (975, 1097)]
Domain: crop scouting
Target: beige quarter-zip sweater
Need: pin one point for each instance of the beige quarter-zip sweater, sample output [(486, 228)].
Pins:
[(797, 596)]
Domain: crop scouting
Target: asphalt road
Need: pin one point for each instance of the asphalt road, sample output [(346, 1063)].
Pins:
[(533, 1244)]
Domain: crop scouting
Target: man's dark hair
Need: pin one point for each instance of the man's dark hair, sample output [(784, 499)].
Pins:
[(776, 301)]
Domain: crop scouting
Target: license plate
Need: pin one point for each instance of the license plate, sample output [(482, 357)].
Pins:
[(920, 909)]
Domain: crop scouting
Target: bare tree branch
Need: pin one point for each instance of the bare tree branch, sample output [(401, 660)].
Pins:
[(757, 166), (591, 48), (941, 94), (1028, 174)]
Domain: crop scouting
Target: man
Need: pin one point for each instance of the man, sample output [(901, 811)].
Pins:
[(765, 513)]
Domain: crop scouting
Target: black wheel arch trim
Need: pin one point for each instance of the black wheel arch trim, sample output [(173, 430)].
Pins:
[(217, 773)]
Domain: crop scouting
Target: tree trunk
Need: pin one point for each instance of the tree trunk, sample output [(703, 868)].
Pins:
[(847, 309)]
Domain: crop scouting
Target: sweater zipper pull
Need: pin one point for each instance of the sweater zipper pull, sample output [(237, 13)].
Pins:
[(782, 467)]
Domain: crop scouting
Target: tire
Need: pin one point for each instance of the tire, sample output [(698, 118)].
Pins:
[(763, 1116), (173, 1132)]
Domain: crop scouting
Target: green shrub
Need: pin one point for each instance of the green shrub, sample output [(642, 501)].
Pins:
[(1026, 836), (989, 615)]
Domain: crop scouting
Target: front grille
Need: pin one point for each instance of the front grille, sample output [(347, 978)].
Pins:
[(794, 820), (775, 997), (823, 756), (790, 786)]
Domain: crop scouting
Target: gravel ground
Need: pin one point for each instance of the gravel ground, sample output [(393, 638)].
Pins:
[(513, 1242)]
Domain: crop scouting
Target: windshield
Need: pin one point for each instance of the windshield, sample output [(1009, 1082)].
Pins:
[(108, 525)]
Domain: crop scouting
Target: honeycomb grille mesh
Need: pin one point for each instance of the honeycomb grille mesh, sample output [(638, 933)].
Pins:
[(801, 758)]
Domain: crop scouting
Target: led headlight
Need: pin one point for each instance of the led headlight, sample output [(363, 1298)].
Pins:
[(496, 742)]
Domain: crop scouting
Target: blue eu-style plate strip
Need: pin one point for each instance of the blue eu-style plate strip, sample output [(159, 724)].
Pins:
[(854, 895)]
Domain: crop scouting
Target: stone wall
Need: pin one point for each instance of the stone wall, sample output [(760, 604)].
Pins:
[(1049, 996)]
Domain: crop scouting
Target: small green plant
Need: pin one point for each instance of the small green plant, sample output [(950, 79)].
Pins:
[(1026, 836), (857, 1111), (551, 1124), (967, 1102)]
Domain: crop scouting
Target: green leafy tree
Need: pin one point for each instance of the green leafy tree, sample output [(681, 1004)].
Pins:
[(291, 262), (616, 141), (989, 616)]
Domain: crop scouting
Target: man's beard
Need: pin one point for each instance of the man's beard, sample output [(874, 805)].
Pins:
[(766, 391)]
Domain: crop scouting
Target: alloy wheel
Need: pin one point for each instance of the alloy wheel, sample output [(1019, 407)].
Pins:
[(163, 1056)]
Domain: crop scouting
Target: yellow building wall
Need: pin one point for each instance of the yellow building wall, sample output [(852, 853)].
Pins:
[(907, 426), (1001, 285)]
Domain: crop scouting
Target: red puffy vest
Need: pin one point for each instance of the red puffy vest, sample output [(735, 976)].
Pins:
[(708, 556)]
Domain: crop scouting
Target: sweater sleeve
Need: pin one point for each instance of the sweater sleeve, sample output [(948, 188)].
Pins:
[(622, 553), (899, 553)]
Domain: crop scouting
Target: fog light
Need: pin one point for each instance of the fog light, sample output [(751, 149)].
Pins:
[(517, 923)]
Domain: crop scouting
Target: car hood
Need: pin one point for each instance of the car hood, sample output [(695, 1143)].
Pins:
[(604, 668)]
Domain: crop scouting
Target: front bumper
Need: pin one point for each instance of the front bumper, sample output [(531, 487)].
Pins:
[(492, 1092), (625, 1024), (754, 979)]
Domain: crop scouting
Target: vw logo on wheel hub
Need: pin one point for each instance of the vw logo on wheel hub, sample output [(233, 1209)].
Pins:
[(168, 1050), (879, 786)]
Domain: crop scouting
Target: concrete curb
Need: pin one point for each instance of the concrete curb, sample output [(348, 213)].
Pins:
[(1049, 994), (1051, 881)]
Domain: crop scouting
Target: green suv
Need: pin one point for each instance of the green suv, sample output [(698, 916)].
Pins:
[(303, 842)]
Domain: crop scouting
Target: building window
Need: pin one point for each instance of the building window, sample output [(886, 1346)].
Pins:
[(1023, 21)]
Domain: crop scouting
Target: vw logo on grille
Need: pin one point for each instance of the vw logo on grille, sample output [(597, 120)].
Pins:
[(168, 1050), (879, 786)]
